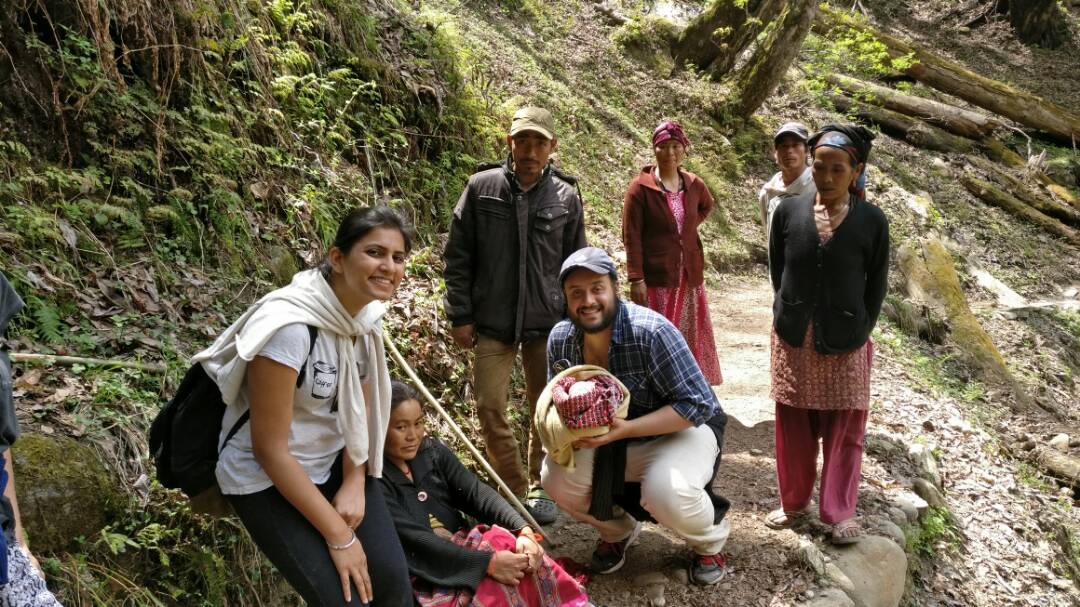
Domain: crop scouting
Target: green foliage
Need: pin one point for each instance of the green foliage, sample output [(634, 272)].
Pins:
[(294, 94), (647, 31), (936, 532), (848, 49), (1071, 319), (941, 372)]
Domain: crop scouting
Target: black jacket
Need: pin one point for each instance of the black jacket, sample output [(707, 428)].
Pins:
[(839, 285), (505, 250), (450, 489)]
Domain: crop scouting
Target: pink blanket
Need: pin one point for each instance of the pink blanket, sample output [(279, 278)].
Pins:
[(550, 586)]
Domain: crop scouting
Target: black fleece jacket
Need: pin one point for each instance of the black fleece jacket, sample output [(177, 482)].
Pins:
[(448, 489), (839, 285)]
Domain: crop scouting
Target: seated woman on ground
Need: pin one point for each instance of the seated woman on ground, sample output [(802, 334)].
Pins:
[(429, 493)]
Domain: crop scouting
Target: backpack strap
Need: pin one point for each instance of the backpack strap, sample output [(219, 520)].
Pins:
[(313, 333)]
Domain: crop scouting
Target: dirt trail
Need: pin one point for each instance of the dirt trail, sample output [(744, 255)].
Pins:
[(760, 570)]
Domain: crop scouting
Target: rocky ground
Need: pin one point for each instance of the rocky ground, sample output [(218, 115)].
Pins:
[(994, 547)]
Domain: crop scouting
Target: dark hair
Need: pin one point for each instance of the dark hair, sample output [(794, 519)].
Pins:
[(359, 222), (401, 392)]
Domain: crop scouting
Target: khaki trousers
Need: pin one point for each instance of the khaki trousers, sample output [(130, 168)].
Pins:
[(673, 471), (491, 380)]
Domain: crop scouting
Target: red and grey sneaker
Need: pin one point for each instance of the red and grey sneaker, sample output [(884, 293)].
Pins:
[(610, 556), (708, 569)]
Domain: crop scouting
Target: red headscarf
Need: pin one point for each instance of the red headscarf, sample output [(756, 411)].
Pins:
[(669, 129)]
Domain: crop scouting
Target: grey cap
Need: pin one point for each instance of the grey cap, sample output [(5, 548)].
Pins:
[(795, 128), (590, 258)]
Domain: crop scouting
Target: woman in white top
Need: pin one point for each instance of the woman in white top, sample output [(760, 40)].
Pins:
[(301, 472)]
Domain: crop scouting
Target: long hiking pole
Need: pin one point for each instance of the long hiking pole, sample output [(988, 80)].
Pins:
[(400, 360)]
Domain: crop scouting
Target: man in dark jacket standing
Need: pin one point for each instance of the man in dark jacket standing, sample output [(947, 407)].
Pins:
[(513, 226)]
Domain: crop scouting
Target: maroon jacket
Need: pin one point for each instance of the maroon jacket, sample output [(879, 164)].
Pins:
[(654, 249)]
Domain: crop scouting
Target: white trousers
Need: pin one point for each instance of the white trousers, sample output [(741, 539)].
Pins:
[(673, 471)]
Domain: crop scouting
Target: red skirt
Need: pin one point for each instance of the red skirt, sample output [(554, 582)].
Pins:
[(687, 309)]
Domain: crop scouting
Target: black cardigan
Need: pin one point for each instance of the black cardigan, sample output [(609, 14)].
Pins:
[(840, 285), (451, 489)]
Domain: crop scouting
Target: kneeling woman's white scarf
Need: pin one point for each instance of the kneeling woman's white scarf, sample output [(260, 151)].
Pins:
[(310, 300)]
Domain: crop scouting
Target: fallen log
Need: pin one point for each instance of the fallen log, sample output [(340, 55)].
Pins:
[(899, 126), (996, 150), (959, 121), (997, 197), (1057, 463), (1025, 193), (949, 77), (930, 279)]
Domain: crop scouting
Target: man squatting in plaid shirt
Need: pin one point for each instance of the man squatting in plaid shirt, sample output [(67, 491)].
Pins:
[(672, 434)]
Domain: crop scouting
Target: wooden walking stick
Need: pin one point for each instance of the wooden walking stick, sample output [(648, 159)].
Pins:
[(400, 360)]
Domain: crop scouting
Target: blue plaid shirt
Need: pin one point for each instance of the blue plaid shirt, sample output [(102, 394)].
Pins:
[(649, 356)]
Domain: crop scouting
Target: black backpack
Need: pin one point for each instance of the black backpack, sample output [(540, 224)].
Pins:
[(184, 435)]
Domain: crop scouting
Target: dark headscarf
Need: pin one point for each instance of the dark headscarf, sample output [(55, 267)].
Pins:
[(854, 139), (669, 129)]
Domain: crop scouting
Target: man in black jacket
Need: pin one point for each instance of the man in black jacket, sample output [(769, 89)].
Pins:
[(513, 226)]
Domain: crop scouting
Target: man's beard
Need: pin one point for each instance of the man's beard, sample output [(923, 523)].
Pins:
[(605, 320)]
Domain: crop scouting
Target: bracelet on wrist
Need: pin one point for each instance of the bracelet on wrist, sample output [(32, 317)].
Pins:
[(491, 565), (344, 546)]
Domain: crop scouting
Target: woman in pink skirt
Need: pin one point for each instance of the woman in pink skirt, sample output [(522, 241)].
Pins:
[(829, 261), (662, 210)]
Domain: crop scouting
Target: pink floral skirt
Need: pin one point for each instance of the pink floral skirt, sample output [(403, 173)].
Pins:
[(687, 309), (550, 586)]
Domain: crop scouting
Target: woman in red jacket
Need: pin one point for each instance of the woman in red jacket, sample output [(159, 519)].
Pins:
[(661, 213)]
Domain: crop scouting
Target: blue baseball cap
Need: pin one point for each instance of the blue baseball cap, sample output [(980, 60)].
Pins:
[(591, 258)]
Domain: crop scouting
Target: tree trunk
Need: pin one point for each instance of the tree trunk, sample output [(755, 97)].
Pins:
[(917, 320), (742, 37), (949, 117), (710, 33), (898, 126), (951, 78), (1038, 22), (759, 77), (997, 197)]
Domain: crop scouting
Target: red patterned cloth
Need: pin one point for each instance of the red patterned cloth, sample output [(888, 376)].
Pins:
[(687, 308), (807, 379), (550, 586), (588, 403)]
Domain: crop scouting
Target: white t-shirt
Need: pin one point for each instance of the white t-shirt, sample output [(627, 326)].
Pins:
[(314, 436)]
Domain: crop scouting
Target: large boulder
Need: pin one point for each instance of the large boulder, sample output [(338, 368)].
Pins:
[(64, 490), (832, 597), (876, 568)]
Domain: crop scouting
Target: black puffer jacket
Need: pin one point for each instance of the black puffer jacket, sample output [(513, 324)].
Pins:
[(505, 250)]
